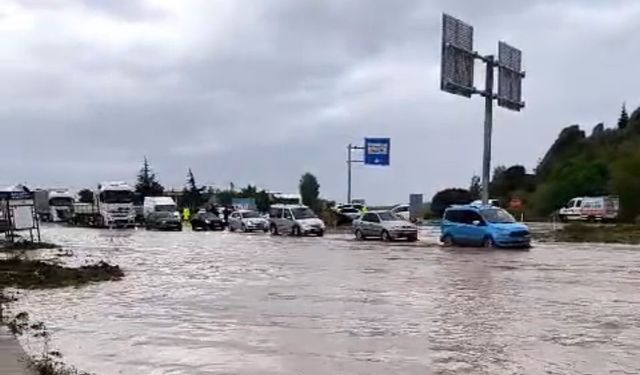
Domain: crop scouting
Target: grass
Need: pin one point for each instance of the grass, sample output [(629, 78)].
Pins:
[(25, 246), (623, 234), (50, 364), (18, 272), (35, 274)]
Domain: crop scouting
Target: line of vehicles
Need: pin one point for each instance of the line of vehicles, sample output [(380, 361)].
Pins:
[(474, 224)]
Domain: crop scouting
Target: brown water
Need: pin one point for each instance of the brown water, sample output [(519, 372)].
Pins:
[(229, 303)]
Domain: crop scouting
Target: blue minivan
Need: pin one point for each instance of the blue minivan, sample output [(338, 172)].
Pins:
[(486, 226)]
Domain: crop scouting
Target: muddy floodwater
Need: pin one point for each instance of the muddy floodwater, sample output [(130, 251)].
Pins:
[(231, 303)]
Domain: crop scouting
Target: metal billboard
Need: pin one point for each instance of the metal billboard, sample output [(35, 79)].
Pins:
[(456, 75), (377, 151), (509, 77)]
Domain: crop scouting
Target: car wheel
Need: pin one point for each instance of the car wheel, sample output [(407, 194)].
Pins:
[(273, 229), (321, 233), (244, 228), (488, 243), (412, 238), (231, 228), (359, 235), (447, 241), (386, 236), (265, 229)]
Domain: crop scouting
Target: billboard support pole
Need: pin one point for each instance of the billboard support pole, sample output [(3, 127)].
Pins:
[(488, 128), (350, 161), (349, 173)]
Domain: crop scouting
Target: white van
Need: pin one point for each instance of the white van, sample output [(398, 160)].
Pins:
[(158, 204), (590, 209)]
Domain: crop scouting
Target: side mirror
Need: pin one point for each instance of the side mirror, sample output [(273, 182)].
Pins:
[(476, 223)]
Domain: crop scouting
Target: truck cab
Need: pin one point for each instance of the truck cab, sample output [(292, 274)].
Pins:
[(114, 201), (61, 205), (572, 210)]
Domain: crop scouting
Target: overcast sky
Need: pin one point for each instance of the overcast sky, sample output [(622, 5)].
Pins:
[(261, 91)]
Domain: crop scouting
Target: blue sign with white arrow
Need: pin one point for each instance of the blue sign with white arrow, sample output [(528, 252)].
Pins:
[(377, 151)]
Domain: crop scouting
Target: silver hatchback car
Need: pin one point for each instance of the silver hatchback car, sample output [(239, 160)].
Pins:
[(384, 225), (247, 221)]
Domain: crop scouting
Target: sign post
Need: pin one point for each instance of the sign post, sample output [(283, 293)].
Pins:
[(457, 75), (377, 151)]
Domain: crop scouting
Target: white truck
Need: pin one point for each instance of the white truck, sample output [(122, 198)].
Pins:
[(159, 204), (54, 205), (112, 206), (602, 208)]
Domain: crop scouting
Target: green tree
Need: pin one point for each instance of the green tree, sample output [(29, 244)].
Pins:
[(85, 196), (147, 185), (574, 178), (248, 192), (263, 202), (507, 181), (567, 145), (475, 188), (623, 121), (310, 190), (225, 197), (625, 182), (447, 197), (192, 193)]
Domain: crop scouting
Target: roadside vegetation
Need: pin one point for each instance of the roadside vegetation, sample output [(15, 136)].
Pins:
[(22, 245), (621, 234), (18, 271), (48, 362), (606, 162)]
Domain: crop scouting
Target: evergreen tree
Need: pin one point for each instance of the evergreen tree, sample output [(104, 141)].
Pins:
[(623, 121), (147, 185), (85, 196), (310, 190), (192, 193), (263, 202), (475, 188)]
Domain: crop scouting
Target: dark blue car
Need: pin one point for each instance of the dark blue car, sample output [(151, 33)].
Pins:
[(486, 226)]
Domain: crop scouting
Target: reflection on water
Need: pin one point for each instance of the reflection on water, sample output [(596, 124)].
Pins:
[(227, 303)]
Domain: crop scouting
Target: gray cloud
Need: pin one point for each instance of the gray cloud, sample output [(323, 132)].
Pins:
[(261, 92)]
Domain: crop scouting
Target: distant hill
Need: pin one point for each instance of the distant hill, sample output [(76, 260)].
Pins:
[(605, 162)]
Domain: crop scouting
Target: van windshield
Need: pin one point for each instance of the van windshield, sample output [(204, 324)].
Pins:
[(497, 216), (166, 208), (303, 213)]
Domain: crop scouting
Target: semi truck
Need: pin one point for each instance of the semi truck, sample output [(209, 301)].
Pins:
[(112, 206), (54, 205)]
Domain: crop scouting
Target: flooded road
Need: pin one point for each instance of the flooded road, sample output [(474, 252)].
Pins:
[(230, 303)]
